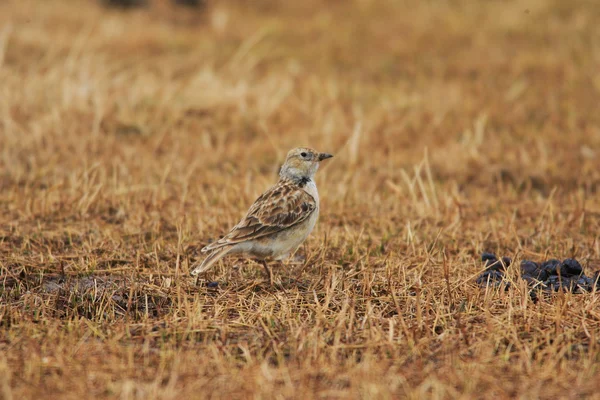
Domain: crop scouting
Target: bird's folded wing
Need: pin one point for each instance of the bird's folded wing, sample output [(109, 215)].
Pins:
[(281, 207)]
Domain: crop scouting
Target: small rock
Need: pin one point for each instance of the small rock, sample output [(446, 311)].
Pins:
[(489, 277), (586, 283), (125, 3), (595, 280), (190, 3), (571, 267), (533, 295), (488, 257), (494, 266), (551, 266), (530, 268), (491, 262)]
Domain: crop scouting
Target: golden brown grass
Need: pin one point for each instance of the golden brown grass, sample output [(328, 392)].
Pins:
[(128, 140)]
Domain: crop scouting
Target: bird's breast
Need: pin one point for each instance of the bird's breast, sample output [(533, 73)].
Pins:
[(311, 188)]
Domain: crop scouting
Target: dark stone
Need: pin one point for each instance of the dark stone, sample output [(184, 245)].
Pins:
[(533, 295), (489, 277), (488, 257), (569, 283), (492, 263), (552, 267), (124, 3), (530, 268), (596, 280), (586, 283), (191, 3), (494, 266), (531, 280), (571, 267)]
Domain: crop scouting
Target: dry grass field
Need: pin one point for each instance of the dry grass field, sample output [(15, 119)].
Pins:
[(129, 139)]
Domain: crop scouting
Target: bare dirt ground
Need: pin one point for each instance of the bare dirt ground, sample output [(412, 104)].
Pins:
[(129, 139)]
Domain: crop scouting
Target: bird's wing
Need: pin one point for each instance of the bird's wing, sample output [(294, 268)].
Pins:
[(282, 206)]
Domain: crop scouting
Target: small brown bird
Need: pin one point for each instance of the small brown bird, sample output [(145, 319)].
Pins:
[(280, 220)]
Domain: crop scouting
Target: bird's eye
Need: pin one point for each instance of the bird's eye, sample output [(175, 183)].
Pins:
[(303, 154)]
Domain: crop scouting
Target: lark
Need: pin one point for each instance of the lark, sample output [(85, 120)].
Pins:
[(279, 221)]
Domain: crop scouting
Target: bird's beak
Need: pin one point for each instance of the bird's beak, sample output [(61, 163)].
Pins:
[(324, 156)]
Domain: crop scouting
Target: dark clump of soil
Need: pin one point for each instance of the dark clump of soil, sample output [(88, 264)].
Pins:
[(124, 3), (549, 276), (495, 269)]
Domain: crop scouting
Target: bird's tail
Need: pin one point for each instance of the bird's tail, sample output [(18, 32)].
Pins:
[(212, 258)]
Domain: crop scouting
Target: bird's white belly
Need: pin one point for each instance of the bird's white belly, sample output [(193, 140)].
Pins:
[(288, 241)]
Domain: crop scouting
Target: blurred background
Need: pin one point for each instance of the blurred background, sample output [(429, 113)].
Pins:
[(502, 90)]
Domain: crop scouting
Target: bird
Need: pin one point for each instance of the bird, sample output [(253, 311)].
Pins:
[(280, 219)]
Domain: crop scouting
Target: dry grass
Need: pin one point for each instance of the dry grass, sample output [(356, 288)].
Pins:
[(130, 139)]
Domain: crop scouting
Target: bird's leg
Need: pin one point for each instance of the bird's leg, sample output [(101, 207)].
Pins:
[(269, 272)]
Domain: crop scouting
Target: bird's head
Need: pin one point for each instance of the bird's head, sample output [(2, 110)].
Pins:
[(302, 162)]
